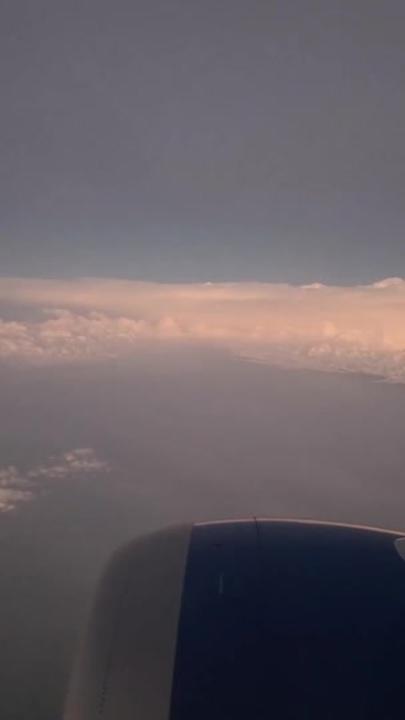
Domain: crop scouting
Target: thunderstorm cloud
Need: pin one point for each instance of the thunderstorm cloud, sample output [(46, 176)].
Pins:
[(331, 328)]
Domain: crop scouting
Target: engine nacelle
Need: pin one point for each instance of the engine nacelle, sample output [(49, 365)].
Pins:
[(248, 619)]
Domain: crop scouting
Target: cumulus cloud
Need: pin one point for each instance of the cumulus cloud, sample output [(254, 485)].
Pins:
[(14, 488), (17, 486), (359, 328)]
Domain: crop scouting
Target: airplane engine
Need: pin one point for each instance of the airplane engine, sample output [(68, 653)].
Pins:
[(249, 619)]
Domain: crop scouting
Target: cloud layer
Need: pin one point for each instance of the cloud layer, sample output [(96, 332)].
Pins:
[(354, 329), (17, 486)]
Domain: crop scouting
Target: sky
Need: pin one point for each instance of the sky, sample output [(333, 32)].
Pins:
[(202, 287), (183, 142)]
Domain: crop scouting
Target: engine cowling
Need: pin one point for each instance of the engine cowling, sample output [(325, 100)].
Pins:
[(247, 619)]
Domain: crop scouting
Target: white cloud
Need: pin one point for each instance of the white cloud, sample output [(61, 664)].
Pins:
[(359, 328), (17, 486)]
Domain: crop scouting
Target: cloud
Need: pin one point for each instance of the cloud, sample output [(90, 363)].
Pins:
[(17, 486), (353, 329), (14, 488)]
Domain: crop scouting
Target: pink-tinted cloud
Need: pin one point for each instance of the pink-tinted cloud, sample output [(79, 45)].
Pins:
[(360, 328)]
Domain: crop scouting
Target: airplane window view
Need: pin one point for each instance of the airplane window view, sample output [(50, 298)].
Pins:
[(202, 359)]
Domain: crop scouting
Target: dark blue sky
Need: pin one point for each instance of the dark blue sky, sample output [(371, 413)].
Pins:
[(203, 140)]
